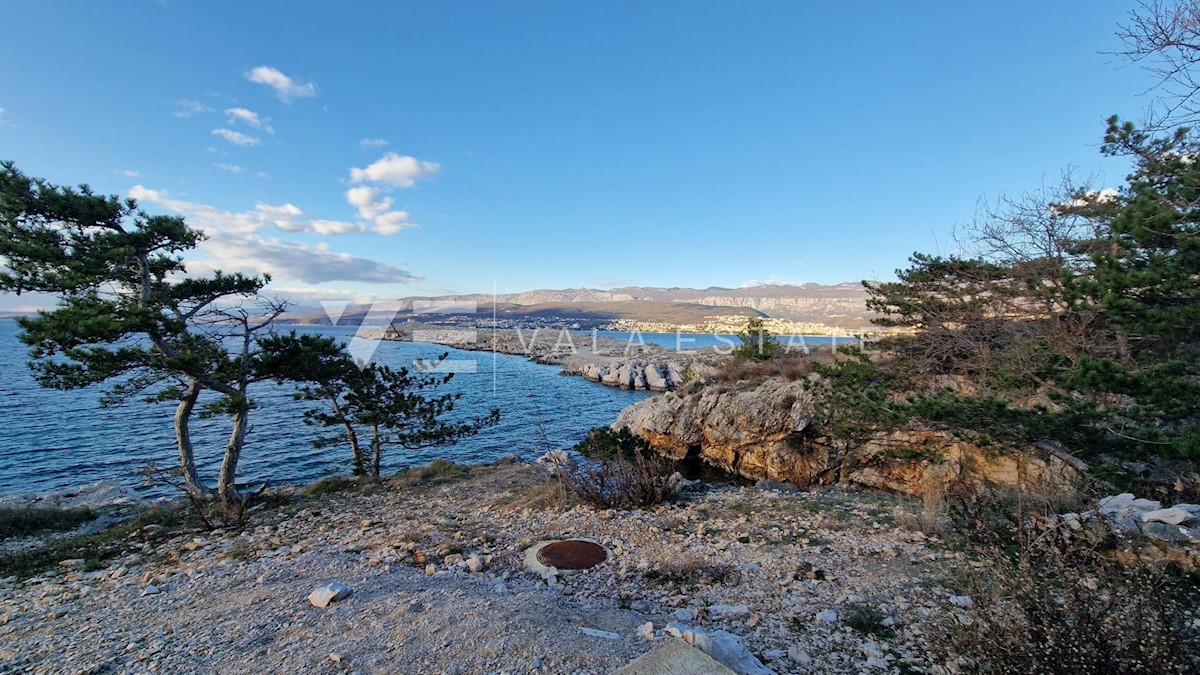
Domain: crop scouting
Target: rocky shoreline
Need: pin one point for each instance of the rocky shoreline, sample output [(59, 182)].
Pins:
[(627, 364)]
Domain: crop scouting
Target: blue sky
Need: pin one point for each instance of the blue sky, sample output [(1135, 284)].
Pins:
[(388, 149)]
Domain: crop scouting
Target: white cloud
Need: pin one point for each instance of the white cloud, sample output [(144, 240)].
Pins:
[(262, 174), (250, 118), (368, 202), (128, 173), (189, 108), (231, 168), (388, 172), (235, 245), (292, 260), (394, 170), (237, 137), (376, 209), (286, 217), (392, 222), (215, 151), (372, 143), (285, 87)]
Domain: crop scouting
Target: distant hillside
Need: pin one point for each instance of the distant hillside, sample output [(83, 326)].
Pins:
[(840, 305), (587, 314)]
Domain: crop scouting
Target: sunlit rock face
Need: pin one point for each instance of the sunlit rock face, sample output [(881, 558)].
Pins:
[(754, 429)]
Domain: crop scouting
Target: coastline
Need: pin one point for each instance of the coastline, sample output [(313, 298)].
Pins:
[(627, 364)]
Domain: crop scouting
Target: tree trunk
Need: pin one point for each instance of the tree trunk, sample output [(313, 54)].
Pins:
[(227, 483), (360, 468), (183, 438), (377, 446)]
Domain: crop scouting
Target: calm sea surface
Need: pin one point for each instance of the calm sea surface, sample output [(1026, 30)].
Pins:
[(51, 440)]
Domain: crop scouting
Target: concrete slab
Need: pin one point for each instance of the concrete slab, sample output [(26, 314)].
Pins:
[(675, 657)]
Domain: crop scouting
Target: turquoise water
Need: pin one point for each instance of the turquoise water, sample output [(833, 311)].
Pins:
[(51, 440)]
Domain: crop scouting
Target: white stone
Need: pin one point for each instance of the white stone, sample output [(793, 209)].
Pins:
[(827, 616), (729, 611), (1171, 516), (431, 569), (475, 564), (599, 633), (151, 590), (963, 601), (328, 593), (646, 630)]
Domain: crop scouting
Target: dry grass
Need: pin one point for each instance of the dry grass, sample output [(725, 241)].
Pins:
[(791, 367), (1045, 600), (438, 472)]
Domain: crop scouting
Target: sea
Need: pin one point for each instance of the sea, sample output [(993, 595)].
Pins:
[(53, 440)]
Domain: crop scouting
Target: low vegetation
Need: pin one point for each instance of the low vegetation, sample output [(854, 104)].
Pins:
[(150, 526), (16, 521), (1041, 600), (617, 470)]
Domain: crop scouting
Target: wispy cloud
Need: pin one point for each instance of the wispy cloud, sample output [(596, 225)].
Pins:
[(130, 173), (231, 168), (286, 88), (237, 137), (310, 264), (189, 108), (286, 217), (237, 245), (373, 143), (249, 118)]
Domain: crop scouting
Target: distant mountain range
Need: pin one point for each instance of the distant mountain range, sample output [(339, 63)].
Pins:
[(841, 305)]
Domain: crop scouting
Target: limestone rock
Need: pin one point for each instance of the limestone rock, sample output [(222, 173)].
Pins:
[(751, 428), (328, 593), (1171, 516), (655, 377)]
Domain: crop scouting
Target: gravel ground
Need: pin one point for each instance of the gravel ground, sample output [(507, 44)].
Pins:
[(783, 569)]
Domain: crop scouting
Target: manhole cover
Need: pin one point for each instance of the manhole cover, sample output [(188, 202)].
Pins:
[(572, 554)]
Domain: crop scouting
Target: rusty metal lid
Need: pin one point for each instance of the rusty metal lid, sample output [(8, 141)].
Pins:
[(572, 554)]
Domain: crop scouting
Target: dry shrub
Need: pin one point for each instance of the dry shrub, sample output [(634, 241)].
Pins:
[(437, 472), (1045, 601), (632, 481), (791, 367), (546, 495), (931, 518)]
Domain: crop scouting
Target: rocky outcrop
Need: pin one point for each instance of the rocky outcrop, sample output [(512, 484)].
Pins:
[(636, 374), (760, 431), (1137, 531)]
